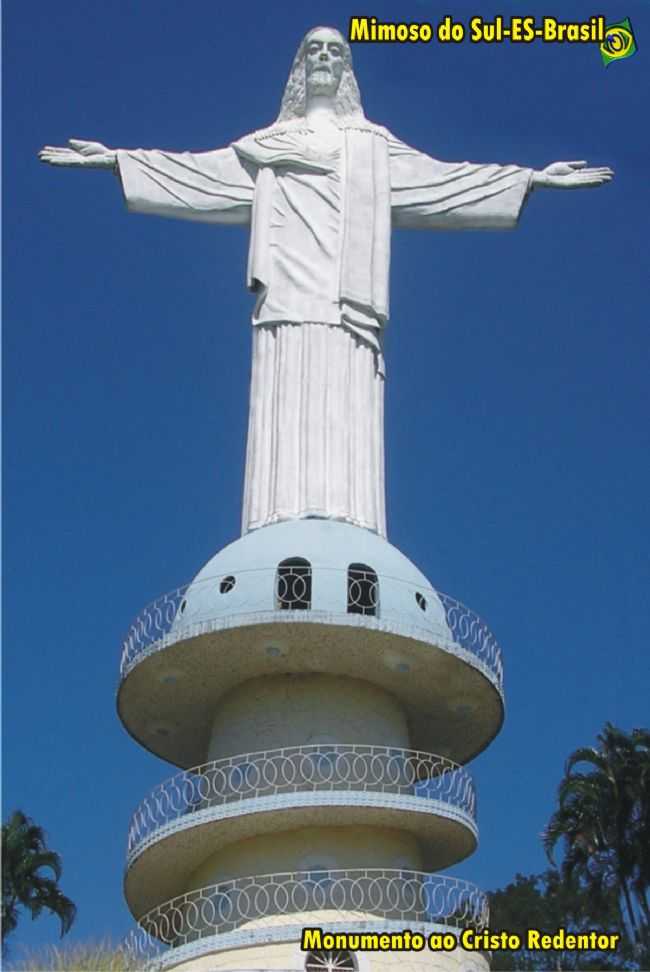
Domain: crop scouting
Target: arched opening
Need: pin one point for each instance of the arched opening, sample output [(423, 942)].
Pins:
[(363, 590), (293, 585), (334, 960)]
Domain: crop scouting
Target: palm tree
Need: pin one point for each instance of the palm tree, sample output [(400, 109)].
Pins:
[(641, 824), (24, 858), (603, 818)]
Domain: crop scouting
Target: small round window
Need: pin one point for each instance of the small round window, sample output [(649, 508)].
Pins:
[(422, 601), (227, 584)]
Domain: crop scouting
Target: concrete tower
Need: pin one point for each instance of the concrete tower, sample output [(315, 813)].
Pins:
[(321, 699)]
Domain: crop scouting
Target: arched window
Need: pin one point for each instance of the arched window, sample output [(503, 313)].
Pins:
[(293, 585), (363, 590), (335, 960)]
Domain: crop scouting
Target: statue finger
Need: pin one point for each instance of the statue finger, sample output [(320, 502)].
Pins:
[(57, 160), (57, 154), (61, 157), (579, 164)]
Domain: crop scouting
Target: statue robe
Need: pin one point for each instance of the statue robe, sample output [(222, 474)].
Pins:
[(320, 206)]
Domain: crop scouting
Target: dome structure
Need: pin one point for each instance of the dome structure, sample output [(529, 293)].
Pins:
[(242, 579), (304, 597)]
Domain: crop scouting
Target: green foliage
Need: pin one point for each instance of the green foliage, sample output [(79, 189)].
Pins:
[(25, 857), (603, 825), (546, 903), (602, 883)]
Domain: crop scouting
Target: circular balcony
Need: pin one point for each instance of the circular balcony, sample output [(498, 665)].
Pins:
[(270, 908), (191, 646), (195, 813)]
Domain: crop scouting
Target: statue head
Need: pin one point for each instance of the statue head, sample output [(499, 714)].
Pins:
[(322, 66)]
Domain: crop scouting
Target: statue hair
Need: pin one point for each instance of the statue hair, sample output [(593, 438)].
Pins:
[(347, 103)]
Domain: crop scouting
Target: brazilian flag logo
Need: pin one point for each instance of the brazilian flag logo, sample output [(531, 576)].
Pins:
[(619, 42)]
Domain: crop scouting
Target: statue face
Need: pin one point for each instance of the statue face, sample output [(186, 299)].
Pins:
[(324, 62)]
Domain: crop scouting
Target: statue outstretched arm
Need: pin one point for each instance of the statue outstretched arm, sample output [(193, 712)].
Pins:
[(211, 187), (428, 194)]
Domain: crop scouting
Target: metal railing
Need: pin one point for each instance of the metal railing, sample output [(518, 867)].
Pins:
[(472, 634), (406, 897), (166, 620), (323, 767)]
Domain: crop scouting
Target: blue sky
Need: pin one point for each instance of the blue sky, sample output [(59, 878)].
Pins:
[(517, 402)]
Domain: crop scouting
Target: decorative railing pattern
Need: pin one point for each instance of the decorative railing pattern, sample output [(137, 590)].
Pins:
[(290, 588), (300, 769), (403, 896), (472, 634)]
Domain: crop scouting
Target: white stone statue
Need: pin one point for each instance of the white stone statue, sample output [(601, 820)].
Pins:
[(320, 189)]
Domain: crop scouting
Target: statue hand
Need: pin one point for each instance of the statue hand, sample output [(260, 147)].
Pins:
[(91, 155), (571, 175)]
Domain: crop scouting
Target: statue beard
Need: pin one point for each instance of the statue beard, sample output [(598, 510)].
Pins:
[(321, 81)]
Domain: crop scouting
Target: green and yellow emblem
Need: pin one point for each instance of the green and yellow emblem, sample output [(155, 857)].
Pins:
[(619, 42)]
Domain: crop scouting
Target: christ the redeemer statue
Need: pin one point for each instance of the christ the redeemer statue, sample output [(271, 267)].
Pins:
[(320, 188)]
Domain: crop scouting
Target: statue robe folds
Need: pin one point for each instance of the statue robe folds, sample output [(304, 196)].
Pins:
[(320, 204)]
